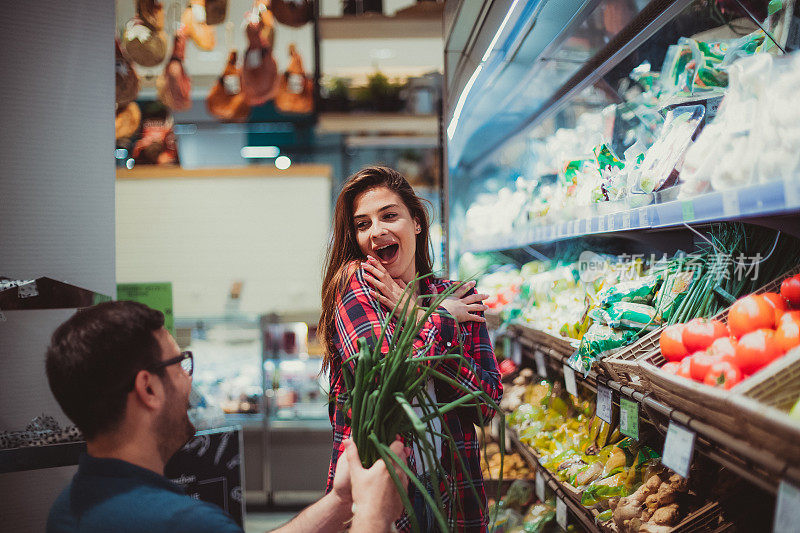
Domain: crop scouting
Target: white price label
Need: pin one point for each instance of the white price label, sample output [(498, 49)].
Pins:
[(730, 203), (254, 58), (787, 508), (541, 366), (540, 486), (626, 220), (28, 290), (561, 513), (604, 403), (516, 353), (678, 449), (199, 13), (569, 379), (644, 218)]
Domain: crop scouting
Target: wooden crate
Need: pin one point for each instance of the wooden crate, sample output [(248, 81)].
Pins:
[(623, 366), (753, 410)]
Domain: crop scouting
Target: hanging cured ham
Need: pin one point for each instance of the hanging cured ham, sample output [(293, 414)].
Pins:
[(294, 14), (216, 11), (193, 21), (144, 45), (259, 72), (152, 13), (174, 85), (226, 100), (296, 93), (127, 82), (127, 121)]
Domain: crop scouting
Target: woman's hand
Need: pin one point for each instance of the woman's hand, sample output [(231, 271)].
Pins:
[(388, 290), (462, 307)]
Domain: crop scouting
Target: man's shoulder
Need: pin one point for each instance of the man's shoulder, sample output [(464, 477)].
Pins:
[(60, 518)]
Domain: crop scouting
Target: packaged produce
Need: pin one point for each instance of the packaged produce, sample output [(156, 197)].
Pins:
[(626, 315), (599, 341), (640, 290), (672, 292)]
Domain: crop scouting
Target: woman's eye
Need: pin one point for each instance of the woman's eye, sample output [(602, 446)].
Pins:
[(361, 226), (391, 216)]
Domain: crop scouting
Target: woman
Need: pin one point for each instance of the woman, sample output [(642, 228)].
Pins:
[(379, 245)]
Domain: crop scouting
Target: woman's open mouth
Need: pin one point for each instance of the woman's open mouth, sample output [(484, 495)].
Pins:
[(387, 254)]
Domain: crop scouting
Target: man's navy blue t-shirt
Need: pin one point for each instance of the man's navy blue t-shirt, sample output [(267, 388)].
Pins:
[(112, 495)]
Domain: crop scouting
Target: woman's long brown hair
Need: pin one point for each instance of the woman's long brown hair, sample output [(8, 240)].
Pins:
[(343, 247)]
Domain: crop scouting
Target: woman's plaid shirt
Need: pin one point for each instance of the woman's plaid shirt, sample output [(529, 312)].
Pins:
[(360, 315)]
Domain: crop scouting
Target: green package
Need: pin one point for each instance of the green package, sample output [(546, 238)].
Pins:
[(626, 315), (599, 341), (640, 291)]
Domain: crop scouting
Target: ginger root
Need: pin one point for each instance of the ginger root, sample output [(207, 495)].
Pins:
[(666, 516)]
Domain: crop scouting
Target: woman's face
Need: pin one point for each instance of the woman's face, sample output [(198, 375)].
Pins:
[(386, 231)]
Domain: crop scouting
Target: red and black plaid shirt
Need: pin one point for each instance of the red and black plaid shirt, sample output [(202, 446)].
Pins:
[(359, 314)]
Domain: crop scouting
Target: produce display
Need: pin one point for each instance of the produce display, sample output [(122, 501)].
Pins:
[(513, 465), (760, 328), (516, 514), (666, 132), (628, 299)]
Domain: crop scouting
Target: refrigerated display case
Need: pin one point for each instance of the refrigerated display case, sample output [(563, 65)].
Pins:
[(625, 128), (256, 372)]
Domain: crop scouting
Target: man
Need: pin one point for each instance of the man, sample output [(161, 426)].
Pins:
[(121, 378)]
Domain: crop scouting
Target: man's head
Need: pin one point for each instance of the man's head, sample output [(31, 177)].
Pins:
[(103, 368)]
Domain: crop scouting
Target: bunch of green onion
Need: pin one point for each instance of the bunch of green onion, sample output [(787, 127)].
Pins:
[(383, 391)]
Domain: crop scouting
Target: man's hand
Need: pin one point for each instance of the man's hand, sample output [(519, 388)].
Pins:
[(376, 502)]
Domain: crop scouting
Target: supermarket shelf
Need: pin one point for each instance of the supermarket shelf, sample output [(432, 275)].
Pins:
[(363, 123), (381, 27), (47, 293), (574, 506), (759, 466), (36, 457), (760, 200)]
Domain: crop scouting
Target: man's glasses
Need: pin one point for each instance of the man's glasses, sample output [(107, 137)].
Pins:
[(186, 359)]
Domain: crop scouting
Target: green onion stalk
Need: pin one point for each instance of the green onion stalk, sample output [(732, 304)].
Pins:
[(384, 390)]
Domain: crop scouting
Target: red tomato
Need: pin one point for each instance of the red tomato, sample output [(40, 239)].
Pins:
[(683, 369), (506, 367), (794, 316), (672, 347), (700, 363), (749, 314), (790, 289), (671, 367), (699, 333), (725, 347), (777, 302), (723, 374), (788, 335), (756, 350)]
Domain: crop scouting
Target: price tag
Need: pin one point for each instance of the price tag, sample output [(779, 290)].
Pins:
[(730, 203), (540, 486), (604, 403), (569, 379), (787, 508), (253, 58), (626, 220), (644, 218), (629, 418), (561, 513), (601, 224), (678, 448), (28, 290), (541, 366), (516, 353), (688, 211)]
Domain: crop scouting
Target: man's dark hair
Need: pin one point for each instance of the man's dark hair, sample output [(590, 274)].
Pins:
[(94, 357)]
